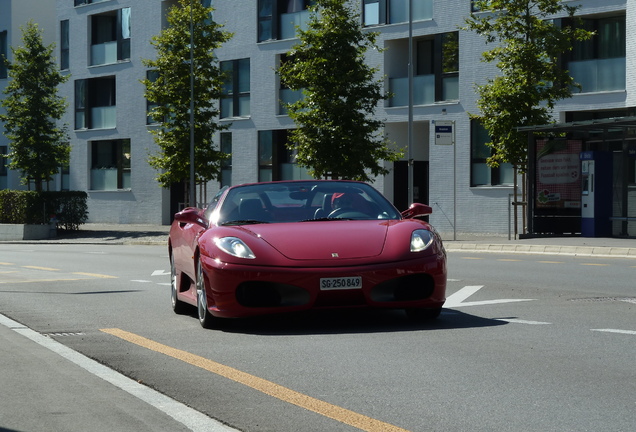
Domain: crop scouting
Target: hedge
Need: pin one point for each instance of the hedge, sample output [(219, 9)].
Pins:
[(67, 209)]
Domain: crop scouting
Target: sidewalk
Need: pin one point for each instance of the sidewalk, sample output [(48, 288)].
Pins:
[(564, 245), (49, 387), (93, 233)]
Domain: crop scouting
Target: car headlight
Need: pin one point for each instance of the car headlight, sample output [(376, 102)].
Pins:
[(421, 239), (235, 247)]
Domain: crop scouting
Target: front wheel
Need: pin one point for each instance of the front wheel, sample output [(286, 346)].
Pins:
[(178, 306), (205, 318)]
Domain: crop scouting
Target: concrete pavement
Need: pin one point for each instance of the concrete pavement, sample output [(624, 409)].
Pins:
[(47, 386)]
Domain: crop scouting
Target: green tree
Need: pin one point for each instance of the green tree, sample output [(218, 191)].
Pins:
[(528, 46), (39, 146), (170, 92), (336, 134)]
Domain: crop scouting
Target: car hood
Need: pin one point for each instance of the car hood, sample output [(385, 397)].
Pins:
[(320, 240)]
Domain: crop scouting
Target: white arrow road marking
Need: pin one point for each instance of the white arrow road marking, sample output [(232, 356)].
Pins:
[(160, 273), (457, 299), (629, 332)]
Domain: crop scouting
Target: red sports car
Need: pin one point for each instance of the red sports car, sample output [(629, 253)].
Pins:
[(294, 245)]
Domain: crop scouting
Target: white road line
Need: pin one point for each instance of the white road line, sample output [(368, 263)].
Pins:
[(189, 417), (160, 273), (457, 299), (629, 332), (140, 280), (518, 321)]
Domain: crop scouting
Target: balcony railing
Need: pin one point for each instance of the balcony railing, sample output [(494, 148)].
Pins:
[(289, 21), (423, 90), (104, 53), (103, 117), (599, 74)]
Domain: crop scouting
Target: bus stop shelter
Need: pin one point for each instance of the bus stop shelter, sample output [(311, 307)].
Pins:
[(563, 196)]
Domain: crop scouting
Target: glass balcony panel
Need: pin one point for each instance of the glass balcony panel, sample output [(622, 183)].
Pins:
[(450, 88), (599, 74), (104, 53), (104, 179), (423, 90), (104, 117), (289, 21)]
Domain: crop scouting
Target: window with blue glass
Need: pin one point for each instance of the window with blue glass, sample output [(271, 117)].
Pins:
[(277, 19), (480, 173), (236, 90), (599, 64), (379, 12)]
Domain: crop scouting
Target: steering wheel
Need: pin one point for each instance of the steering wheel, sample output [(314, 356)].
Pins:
[(347, 213)]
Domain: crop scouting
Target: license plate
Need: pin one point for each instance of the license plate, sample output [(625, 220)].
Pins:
[(341, 283)]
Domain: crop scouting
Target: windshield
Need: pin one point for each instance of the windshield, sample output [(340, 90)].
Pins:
[(304, 201)]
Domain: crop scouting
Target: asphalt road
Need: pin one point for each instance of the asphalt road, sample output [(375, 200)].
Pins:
[(526, 343)]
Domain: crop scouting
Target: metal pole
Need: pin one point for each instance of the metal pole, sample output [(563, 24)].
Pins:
[(193, 202), (410, 111)]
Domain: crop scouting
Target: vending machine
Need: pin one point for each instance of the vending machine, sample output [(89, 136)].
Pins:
[(596, 199)]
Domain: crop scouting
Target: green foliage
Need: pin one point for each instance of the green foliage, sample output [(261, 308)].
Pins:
[(336, 135), (528, 47), (38, 145), (171, 92), (67, 209)]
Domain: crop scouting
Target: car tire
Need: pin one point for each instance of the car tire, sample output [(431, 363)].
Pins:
[(178, 306), (423, 314), (205, 318)]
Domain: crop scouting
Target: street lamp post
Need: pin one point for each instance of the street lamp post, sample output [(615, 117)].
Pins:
[(410, 110), (192, 198)]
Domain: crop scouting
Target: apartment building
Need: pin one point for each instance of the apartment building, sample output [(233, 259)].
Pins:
[(15, 14), (101, 44)]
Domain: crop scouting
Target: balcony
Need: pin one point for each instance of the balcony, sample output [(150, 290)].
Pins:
[(103, 117), (104, 53), (423, 90), (597, 75)]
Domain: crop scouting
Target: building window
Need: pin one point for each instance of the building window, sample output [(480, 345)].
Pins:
[(95, 103), (3, 160), (3, 167), (64, 45), (152, 76), (236, 90), (285, 94), (277, 19), (378, 12), (110, 164), (436, 74), (598, 64), (110, 37), (4, 50), (226, 165), (275, 160), (85, 2), (480, 173)]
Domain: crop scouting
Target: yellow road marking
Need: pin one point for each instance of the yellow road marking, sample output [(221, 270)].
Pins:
[(37, 280), (97, 275), (41, 268), (334, 412), (7, 264), (595, 264)]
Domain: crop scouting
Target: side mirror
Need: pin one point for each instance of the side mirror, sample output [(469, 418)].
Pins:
[(417, 209), (190, 215)]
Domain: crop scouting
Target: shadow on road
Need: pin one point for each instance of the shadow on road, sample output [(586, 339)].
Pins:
[(349, 321)]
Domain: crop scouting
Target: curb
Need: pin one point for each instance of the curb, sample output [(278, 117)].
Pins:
[(597, 251)]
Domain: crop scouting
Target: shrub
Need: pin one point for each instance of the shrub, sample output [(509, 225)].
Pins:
[(67, 209)]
